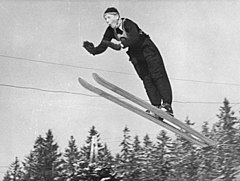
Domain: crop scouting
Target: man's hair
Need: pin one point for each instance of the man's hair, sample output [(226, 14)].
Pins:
[(111, 10)]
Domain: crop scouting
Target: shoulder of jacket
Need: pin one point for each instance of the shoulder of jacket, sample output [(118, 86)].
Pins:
[(126, 20)]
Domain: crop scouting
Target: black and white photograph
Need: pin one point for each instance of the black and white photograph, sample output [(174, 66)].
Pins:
[(119, 90)]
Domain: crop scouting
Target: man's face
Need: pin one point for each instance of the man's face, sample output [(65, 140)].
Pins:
[(111, 19)]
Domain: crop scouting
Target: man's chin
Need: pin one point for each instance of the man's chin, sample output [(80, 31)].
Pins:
[(112, 26)]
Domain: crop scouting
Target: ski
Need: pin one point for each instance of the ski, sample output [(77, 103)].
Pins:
[(140, 112), (148, 106)]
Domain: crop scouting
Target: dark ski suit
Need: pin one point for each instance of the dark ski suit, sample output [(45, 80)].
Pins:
[(145, 58)]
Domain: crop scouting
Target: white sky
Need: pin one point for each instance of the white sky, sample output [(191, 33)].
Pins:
[(199, 40)]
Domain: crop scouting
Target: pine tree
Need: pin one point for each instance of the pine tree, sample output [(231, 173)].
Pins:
[(7, 176), (85, 150), (227, 119), (126, 152), (52, 157), (136, 159), (71, 160), (30, 166), (147, 158), (126, 145), (15, 172), (206, 130), (34, 163), (187, 162), (105, 157), (92, 156), (44, 159), (207, 158), (226, 133), (163, 156)]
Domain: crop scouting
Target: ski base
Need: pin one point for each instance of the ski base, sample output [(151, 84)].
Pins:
[(184, 131), (162, 114)]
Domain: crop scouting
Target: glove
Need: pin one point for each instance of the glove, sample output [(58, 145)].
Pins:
[(89, 47), (112, 45)]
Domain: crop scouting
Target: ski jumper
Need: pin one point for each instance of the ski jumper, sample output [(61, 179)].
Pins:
[(145, 57)]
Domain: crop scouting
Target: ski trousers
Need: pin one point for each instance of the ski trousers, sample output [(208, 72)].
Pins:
[(149, 66)]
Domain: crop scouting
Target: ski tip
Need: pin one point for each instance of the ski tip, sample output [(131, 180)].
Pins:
[(95, 75), (97, 78), (85, 84), (81, 81)]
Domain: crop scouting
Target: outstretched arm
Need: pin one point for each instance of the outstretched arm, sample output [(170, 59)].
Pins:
[(112, 45), (89, 46), (104, 44)]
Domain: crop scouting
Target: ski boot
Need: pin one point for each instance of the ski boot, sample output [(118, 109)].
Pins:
[(153, 114), (167, 108)]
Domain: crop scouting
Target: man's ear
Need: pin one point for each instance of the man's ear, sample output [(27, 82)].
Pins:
[(117, 17)]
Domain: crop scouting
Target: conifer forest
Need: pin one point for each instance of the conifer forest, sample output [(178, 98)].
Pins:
[(162, 159)]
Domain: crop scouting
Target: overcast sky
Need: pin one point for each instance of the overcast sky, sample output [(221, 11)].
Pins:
[(41, 48)]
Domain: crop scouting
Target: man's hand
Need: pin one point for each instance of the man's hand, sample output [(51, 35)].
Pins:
[(112, 45), (89, 47)]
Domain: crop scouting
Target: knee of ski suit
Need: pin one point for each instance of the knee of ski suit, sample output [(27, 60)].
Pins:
[(154, 59)]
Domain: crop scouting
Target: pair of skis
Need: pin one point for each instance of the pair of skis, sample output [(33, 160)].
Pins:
[(169, 122)]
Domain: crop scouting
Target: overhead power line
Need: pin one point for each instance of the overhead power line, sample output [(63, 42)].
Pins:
[(82, 94), (104, 70), (207, 82), (61, 64), (45, 90)]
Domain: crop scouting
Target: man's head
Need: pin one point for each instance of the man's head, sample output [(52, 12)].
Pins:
[(111, 16)]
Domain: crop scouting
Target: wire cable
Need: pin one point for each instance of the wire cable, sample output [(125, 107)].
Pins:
[(104, 70), (82, 94), (46, 90), (62, 64)]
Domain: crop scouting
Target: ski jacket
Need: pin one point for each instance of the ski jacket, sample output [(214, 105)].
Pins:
[(129, 34)]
